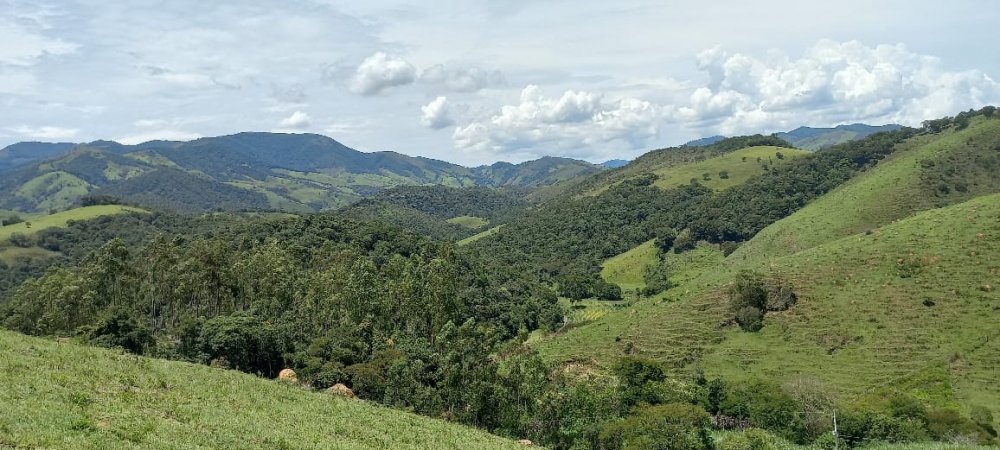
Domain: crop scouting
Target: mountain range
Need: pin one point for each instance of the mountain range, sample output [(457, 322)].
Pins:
[(250, 171)]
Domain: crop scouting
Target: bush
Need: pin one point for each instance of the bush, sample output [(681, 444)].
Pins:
[(750, 318), (21, 240), (948, 425), (665, 237), (751, 297), (657, 278), (685, 241), (674, 426), (767, 406), (859, 428), (117, 329)]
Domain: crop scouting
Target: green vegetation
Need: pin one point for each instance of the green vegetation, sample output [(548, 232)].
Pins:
[(470, 222), (32, 225), (247, 171), (727, 170), (904, 306), (480, 235), (626, 270), (735, 310), (62, 395)]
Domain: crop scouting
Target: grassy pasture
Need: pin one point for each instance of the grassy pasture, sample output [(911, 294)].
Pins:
[(470, 222), (63, 395)]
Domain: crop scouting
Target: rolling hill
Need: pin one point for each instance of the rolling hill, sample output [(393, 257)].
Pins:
[(245, 171), (895, 273), (64, 395)]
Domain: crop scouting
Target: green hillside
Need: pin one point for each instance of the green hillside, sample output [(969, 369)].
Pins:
[(63, 395), (927, 171), (35, 224), (888, 297), (727, 170), (860, 323)]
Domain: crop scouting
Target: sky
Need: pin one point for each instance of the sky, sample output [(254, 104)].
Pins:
[(478, 81)]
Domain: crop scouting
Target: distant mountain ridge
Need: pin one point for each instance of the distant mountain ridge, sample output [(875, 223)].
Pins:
[(812, 138), (253, 170)]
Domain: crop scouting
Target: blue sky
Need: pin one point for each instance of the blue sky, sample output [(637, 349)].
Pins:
[(479, 81)]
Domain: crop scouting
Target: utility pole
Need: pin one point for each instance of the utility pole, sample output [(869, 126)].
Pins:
[(836, 439)]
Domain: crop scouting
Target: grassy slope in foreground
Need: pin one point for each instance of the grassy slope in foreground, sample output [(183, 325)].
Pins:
[(741, 165), (59, 219), (63, 395)]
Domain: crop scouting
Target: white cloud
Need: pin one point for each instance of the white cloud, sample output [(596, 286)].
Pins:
[(458, 79), (24, 42), (297, 121), (580, 124), (830, 83), (156, 135), (379, 72), (45, 132), (436, 114)]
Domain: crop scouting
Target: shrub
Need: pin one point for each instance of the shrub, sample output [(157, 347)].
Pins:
[(750, 318), (685, 241), (21, 240), (674, 426), (948, 425), (767, 406), (117, 329)]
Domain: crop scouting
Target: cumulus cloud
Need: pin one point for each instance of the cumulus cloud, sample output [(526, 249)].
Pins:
[(297, 121), (379, 72), (436, 114), (575, 123), (831, 82), (461, 79), (45, 132)]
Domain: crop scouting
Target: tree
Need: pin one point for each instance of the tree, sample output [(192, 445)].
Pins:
[(724, 174), (674, 426)]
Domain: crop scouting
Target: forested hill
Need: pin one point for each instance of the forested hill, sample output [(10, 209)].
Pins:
[(245, 171)]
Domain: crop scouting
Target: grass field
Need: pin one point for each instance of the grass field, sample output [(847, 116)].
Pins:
[(59, 219), (741, 165), (480, 235), (626, 269), (470, 222), (64, 395)]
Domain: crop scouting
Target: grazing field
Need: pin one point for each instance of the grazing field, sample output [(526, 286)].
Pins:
[(738, 166), (470, 222), (33, 224), (626, 269), (63, 395), (895, 189), (480, 235), (911, 306)]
